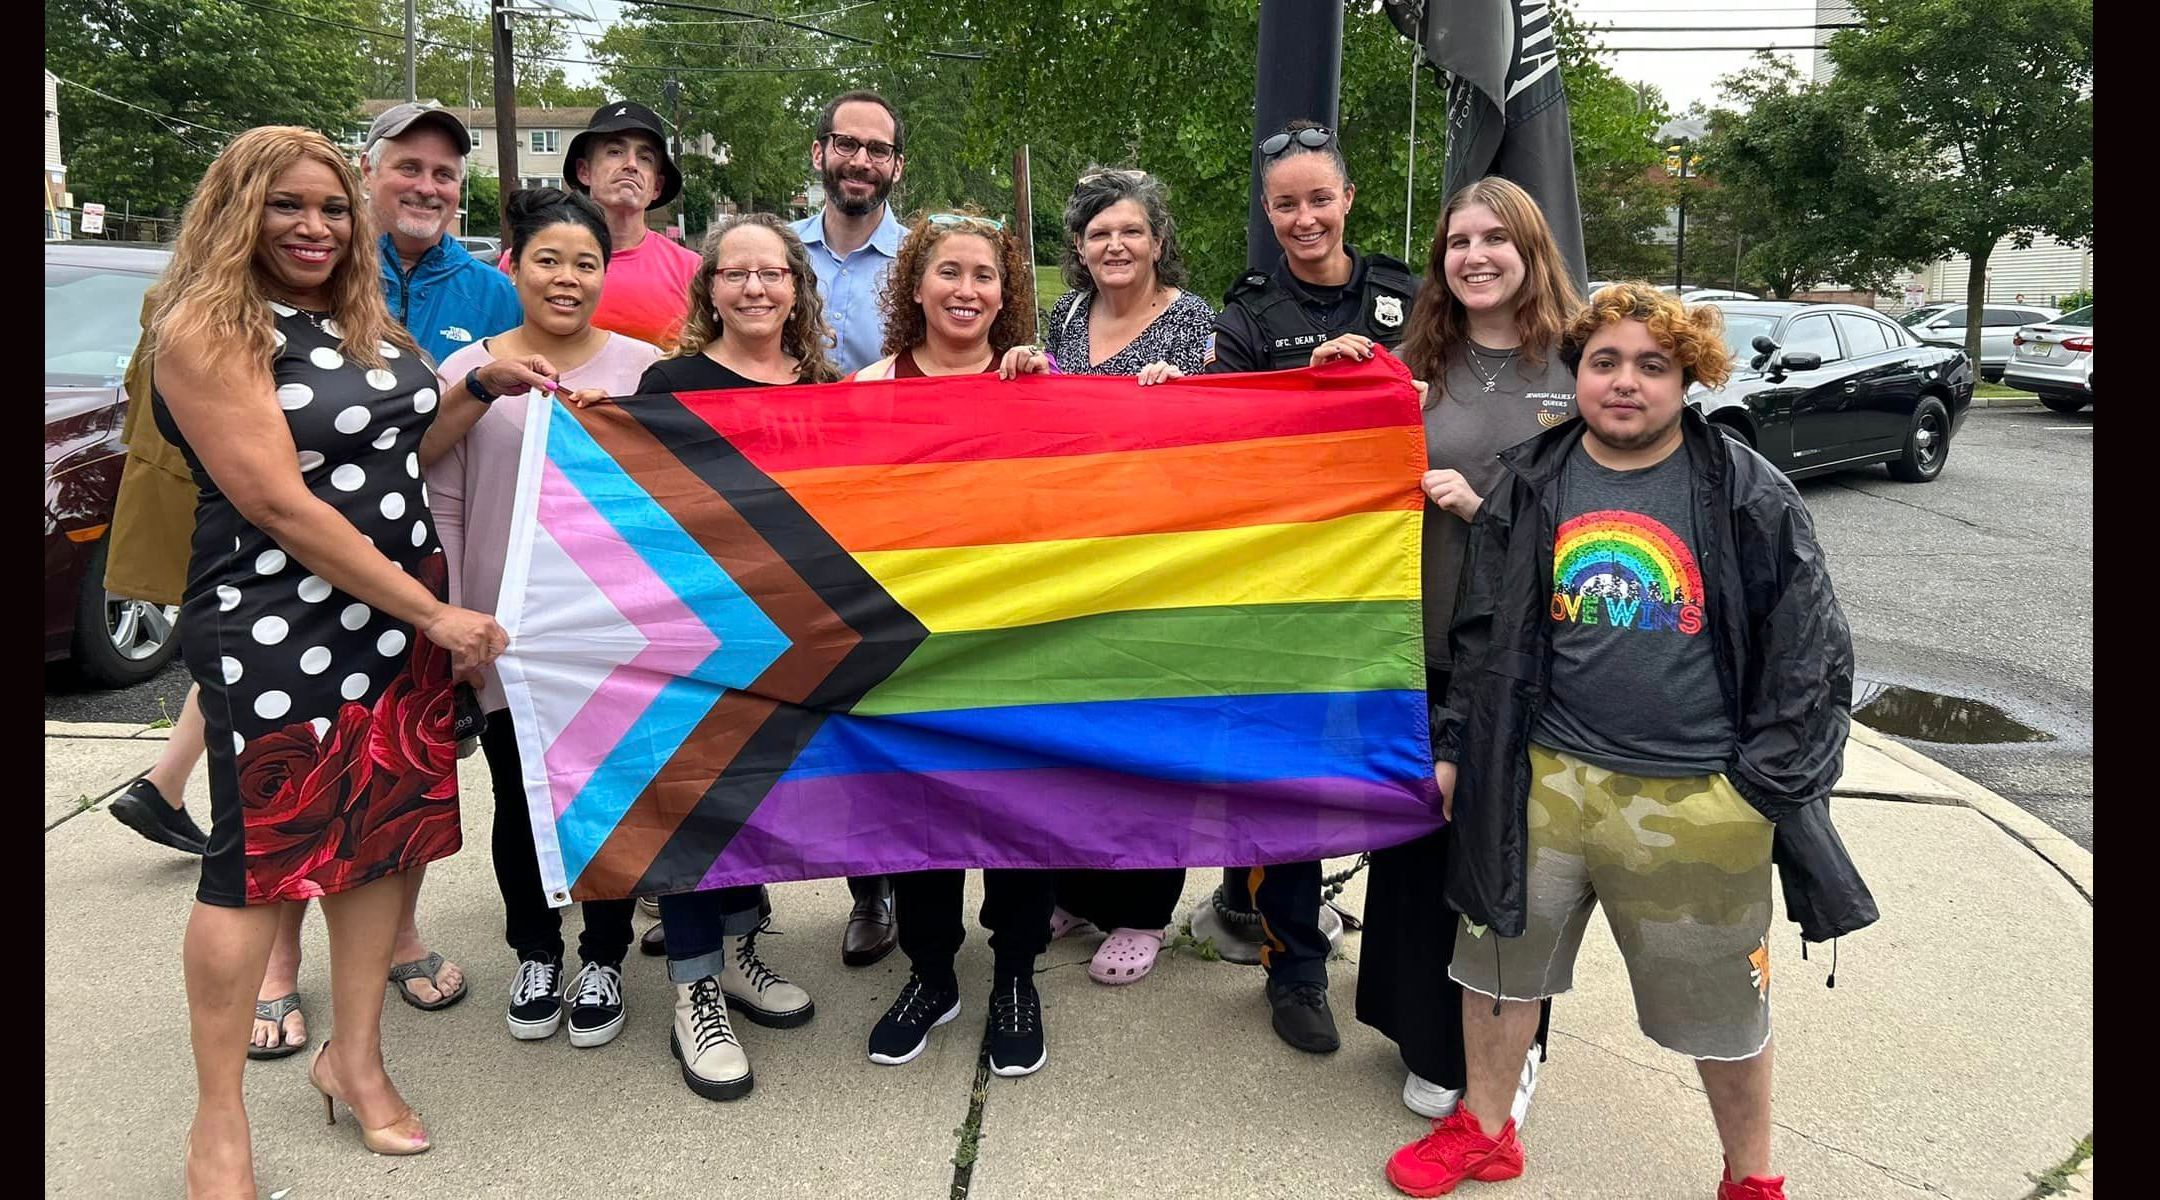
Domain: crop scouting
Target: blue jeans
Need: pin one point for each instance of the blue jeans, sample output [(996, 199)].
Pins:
[(698, 924)]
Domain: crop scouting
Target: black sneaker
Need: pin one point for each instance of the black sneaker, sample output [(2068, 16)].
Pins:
[(596, 1004), (142, 808), (1302, 1017), (536, 999), (905, 1028), (1016, 1027)]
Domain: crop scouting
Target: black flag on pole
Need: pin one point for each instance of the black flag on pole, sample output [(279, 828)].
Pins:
[(1507, 113)]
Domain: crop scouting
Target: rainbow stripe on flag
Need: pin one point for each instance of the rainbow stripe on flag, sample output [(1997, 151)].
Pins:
[(794, 632)]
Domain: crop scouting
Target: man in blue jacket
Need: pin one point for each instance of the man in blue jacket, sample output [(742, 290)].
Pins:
[(413, 169)]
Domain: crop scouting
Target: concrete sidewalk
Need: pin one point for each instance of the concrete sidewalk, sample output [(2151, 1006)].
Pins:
[(1954, 1058)]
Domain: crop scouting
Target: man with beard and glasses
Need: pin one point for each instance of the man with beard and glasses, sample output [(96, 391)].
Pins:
[(413, 170), (1652, 688), (852, 243), (621, 161), (852, 240)]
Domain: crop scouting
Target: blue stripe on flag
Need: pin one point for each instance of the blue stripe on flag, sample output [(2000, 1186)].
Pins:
[(1216, 739)]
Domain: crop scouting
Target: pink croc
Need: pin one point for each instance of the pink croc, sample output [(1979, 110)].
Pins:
[(1063, 924), (1125, 956)]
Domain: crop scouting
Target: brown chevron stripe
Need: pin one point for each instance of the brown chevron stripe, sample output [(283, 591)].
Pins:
[(672, 795), (818, 641)]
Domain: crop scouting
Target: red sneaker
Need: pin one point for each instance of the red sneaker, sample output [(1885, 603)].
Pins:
[(1455, 1150), (1754, 1187)]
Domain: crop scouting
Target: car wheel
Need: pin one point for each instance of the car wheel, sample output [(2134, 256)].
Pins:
[(2065, 404), (1927, 444), (120, 642), (1994, 376)]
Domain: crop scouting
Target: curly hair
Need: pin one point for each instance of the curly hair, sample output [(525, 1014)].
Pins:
[(1440, 325), (905, 325), (1695, 337), (1099, 188), (212, 291), (806, 337)]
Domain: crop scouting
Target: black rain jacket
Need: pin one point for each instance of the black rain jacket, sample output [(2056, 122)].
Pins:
[(1784, 662)]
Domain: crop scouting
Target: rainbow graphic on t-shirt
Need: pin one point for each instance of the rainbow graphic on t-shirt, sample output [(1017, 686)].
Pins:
[(1624, 569)]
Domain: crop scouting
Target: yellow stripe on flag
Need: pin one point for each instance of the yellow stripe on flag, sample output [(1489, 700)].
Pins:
[(1363, 556)]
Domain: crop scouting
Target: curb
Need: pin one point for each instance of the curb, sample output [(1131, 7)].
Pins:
[(106, 730), (2006, 401), (2072, 860)]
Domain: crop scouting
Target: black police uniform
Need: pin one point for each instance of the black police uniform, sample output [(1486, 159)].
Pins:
[(1272, 321)]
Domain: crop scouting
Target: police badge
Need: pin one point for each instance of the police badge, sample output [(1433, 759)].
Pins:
[(1387, 311)]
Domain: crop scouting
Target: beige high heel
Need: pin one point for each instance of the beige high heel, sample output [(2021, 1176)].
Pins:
[(400, 1137)]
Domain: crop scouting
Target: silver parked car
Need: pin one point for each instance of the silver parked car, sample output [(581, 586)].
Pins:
[(2055, 359), (1944, 325)]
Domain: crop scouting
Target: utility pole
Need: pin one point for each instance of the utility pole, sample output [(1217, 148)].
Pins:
[(1680, 148), (412, 76), (1024, 211), (506, 131), (1298, 75), (674, 99)]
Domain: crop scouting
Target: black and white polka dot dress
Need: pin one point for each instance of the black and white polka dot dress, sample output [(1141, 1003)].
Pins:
[(331, 757)]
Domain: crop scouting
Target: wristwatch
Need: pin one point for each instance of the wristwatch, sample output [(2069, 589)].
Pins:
[(478, 389)]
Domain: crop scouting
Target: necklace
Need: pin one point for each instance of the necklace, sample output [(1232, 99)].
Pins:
[(1491, 381)]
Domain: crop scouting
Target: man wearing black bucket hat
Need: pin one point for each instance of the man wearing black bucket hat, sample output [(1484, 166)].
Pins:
[(621, 161)]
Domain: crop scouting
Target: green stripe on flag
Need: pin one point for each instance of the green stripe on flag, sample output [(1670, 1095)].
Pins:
[(1236, 650)]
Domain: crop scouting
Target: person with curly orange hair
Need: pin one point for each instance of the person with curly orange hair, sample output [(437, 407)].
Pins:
[(1652, 688), (956, 300)]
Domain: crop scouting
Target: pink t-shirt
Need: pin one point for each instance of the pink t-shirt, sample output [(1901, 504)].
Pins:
[(648, 290), (473, 489)]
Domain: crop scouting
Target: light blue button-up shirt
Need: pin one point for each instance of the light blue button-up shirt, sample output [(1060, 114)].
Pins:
[(852, 286)]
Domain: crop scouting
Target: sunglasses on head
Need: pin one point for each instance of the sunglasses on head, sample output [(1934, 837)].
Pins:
[(1311, 139), (996, 225), (1114, 173)]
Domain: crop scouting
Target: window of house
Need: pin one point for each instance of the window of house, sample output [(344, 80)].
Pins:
[(546, 141)]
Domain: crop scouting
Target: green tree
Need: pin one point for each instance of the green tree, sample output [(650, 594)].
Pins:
[(205, 69), (1623, 199), (1994, 99), (1797, 190), (455, 61)]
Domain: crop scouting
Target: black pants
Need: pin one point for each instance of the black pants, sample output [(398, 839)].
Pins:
[(1016, 911), (1403, 988), (867, 887), (1292, 948), (1143, 898), (529, 925)]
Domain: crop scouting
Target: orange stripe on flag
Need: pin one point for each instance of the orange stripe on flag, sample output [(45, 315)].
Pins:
[(1223, 485)]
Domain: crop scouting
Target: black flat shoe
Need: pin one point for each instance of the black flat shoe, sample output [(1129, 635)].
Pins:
[(142, 808)]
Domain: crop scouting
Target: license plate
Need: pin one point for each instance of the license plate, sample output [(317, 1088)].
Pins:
[(2039, 350)]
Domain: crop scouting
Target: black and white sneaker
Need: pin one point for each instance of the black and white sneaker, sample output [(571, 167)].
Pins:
[(1016, 1027), (536, 999), (596, 1004), (142, 808), (905, 1028)]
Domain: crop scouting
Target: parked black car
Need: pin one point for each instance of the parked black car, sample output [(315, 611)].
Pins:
[(1820, 387)]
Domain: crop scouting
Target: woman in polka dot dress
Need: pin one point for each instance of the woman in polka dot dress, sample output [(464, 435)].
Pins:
[(314, 617)]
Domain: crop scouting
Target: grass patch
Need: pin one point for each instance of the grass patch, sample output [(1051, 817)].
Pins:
[(2055, 1181), (1996, 391), (1049, 285), (1202, 949)]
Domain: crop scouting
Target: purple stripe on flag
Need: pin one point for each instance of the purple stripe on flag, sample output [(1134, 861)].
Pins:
[(676, 640), (1062, 817)]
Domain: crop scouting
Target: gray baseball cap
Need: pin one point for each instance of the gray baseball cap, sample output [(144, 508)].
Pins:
[(395, 121)]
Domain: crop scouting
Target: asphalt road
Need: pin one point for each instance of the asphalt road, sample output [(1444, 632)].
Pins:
[(1976, 586)]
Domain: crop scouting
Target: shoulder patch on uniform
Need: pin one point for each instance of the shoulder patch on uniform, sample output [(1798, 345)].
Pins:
[(1207, 354)]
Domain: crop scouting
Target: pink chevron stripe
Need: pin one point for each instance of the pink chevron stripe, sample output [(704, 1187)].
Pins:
[(676, 641)]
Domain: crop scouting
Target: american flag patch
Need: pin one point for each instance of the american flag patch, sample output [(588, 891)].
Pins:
[(1207, 357)]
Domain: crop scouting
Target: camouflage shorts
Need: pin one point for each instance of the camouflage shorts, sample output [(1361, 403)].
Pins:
[(1682, 868)]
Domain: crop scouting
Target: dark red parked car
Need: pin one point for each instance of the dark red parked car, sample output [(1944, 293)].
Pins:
[(93, 306)]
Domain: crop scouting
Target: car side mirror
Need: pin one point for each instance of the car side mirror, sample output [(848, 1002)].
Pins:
[(1938, 325), (1801, 360), (1765, 346)]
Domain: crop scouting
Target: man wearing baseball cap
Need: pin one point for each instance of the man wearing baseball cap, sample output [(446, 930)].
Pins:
[(413, 170), (621, 161)]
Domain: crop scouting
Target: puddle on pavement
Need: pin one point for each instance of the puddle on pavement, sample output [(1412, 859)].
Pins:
[(1934, 717)]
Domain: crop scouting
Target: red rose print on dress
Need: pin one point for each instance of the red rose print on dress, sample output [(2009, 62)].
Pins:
[(300, 840)]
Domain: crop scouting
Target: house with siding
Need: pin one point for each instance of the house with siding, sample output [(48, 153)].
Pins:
[(59, 219)]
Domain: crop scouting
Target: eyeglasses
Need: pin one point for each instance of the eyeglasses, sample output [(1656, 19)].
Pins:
[(1311, 139), (997, 225), (736, 277), (847, 147)]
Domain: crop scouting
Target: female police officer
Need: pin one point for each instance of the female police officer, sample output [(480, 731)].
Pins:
[(1323, 300)]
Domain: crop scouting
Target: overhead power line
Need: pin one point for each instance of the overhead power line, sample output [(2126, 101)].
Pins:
[(1715, 28), (153, 112), (793, 24)]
